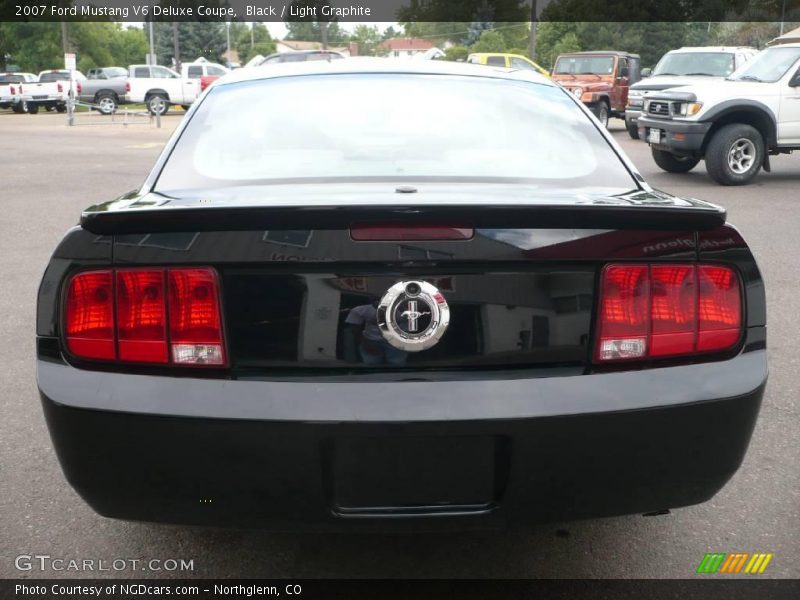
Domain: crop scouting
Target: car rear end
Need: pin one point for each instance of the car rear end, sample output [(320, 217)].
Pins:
[(207, 356)]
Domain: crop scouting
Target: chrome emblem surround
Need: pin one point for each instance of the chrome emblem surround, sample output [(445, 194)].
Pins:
[(413, 315)]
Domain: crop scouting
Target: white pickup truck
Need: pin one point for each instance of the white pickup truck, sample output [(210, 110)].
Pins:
[(159, 87), (11, 90), (51, 90), (735, 124)]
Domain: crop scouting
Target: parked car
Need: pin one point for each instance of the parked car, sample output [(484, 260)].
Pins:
[(51, 90), (105, 88), (11, 90), (511, 61), (379, 311), (735, 125), (159, 87), (685, 66), (599, 79), (301, 56)]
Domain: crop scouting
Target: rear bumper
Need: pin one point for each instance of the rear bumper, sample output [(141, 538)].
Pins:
[(679, 137), (401, 454)]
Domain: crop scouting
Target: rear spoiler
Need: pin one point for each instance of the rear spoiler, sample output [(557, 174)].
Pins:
[(166, 219)]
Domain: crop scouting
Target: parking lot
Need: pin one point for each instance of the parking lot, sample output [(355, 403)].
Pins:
[(51, 172)]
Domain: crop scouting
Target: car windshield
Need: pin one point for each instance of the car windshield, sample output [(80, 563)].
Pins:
[(388, 127), (585, 65), (769, 65), (715, 64)]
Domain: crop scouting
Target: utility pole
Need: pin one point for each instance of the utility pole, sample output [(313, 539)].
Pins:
[(228, 42), (252, 35), (64, 37), (323, 34), (151, 60), (534, 27), (176, 46), (783, 15)]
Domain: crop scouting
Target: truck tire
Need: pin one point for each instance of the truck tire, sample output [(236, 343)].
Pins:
[(185, 106), (62, 108), (735, 154), (20, 107), (33, 109), (157, 104), (106, 103), (672, 163), (601, 111), (633, 130)]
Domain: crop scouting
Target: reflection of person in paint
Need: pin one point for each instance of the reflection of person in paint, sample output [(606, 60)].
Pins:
[(373, 349)]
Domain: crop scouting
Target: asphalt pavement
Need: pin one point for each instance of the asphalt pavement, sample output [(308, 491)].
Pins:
[(51, 171)]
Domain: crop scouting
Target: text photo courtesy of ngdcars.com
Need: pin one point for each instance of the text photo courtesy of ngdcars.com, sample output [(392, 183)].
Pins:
[(465, 293)]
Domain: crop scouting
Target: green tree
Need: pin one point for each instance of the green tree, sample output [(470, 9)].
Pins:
[(262, 42), (367, 37), (456, 53), (197, 39), (490, 41), (551, 40)]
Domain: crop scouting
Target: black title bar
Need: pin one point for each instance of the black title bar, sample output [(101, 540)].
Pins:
[(494, 11)]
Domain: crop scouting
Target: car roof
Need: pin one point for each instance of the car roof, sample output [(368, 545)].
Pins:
[(599, 53), (354, 66), (712, 49)]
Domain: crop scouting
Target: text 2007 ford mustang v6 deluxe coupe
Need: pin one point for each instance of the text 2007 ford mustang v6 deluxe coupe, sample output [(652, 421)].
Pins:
[(367, 295)]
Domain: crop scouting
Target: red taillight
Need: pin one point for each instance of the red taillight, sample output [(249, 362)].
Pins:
[(89, 315), (78, 87), (60, 88), (127, 86), (195, 329), (141, 316), (653, 311), (149, 316), (719, 310), (13, 91)]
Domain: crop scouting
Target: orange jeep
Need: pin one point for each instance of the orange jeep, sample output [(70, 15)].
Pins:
[(599, 79)]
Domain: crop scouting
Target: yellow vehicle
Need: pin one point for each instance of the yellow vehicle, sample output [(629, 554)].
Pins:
[(501, 59)]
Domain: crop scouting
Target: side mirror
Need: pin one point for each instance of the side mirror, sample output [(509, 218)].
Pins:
[(795, 80), (646, 72)]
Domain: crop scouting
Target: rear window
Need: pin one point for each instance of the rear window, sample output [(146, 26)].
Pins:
[(385, 127), (54, 76), (11, 79)]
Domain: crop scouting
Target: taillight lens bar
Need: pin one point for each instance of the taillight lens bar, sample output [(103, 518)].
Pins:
[(146, 316), (649, 311)]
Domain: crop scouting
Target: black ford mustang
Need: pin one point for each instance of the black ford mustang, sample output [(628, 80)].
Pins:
[(364, 294)]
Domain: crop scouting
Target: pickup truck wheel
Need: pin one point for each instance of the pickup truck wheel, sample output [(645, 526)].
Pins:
[(185, 106), (735, 154), (33, 109), (601, 112), (107, 104), (633, 130), (62, 108), (672, 163), (20, 107), (157, 104)]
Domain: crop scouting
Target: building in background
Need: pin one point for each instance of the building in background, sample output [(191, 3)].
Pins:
[(404, 47)]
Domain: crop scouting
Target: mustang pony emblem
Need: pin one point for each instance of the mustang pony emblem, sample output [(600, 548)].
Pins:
[(413, 315)]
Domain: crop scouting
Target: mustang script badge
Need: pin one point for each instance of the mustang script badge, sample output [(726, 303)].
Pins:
[(413, 315)]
